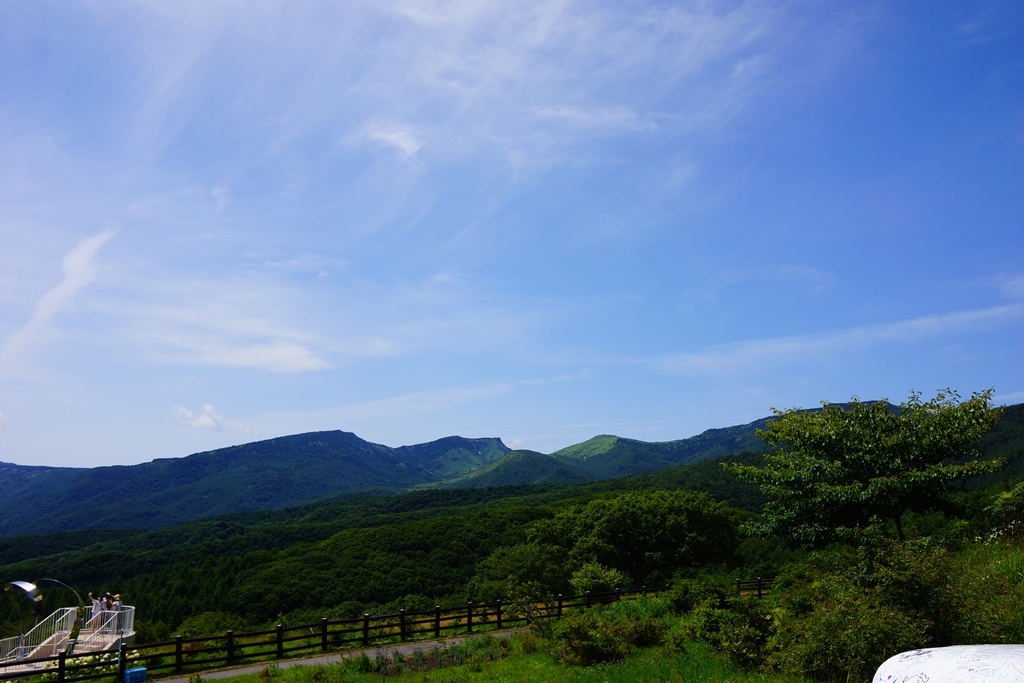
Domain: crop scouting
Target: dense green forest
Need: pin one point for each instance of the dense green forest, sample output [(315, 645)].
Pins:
[(363, 553), (692, 526)]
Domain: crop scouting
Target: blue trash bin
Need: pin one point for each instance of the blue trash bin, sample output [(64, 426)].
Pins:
[(136, 675)]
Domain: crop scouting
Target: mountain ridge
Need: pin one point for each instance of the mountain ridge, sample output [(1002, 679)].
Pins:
[(292, 470), (268, 474)]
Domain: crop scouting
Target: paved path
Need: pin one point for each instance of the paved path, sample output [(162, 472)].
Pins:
[(336, 657)]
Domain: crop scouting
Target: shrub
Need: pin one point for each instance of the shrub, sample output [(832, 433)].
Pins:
[(991, 575), (210, 624), (922, 581), (1008, 509), (642, 622), (524, 643), (688, 594), (269, 672), (99, 663), (596, 578), (845, 636), (362, 664), (587, 638), (740, 629), (608, 633)]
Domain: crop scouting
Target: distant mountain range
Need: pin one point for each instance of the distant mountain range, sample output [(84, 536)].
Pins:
[(611, 457), (263, 475), (292, 470)]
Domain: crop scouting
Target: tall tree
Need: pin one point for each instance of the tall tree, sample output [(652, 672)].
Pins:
[(835, 470)]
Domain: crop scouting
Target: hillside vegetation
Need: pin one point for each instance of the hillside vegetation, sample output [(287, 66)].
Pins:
[(264, 475), (957, 577)]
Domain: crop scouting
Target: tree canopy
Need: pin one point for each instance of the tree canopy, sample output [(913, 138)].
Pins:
[(834, 471), (646, 535)]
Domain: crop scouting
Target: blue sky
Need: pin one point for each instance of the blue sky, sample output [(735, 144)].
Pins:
[(229, 221)]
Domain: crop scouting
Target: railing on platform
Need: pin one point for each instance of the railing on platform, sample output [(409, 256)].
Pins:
[(40, 641), (104, 629), (51, 636)]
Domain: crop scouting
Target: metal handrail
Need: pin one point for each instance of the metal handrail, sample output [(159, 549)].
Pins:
[(104, 626), (42, 634), (50, 637)]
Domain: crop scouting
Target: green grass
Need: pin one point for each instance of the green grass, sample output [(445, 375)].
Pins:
[(696, 664)]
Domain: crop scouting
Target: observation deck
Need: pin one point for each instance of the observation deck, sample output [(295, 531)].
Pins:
[(100, 632)]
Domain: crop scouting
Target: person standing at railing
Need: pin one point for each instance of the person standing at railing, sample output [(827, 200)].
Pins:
[(108, 608), (115, 605), (96, 615)]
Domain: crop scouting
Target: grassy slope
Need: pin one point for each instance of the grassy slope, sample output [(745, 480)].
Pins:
[(452, 456), (609, 456), (519, 468), (696, 664)]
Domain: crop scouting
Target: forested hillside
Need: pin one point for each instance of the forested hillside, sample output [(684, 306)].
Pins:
[(341, 557), (264, 475), (291, 470), (378, 552)]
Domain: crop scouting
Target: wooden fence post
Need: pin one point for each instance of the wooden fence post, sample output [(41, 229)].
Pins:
[(62, 660), (559, 606), (469, 617), (280, 641), (231, 647), (366, 630), (586, 598), (177, 654), (499, 613), (323, 634), (401, 625), (437, 621), (618, 593), (122, 660)]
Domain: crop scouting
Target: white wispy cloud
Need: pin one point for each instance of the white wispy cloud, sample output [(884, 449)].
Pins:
[(397, 137), (530, 82), (233, 340), (407, 405), (1008, 398), (418, 403), (79, 272), (246, 321), (523, 84), (221, 195), (743, 356), (810, 280), (268, 320), (615, 118), (209, 418), (317, 264), (274, 356), (1012, 286), (4, 421)]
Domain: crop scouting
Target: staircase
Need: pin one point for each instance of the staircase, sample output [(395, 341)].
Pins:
[(52, 636)]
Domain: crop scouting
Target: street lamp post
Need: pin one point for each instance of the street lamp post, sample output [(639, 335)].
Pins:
[(33, 592), (79, 616), (30, 590)]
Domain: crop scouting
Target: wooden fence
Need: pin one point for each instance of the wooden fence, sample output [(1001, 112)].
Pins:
[(758, 587), (190, 655)]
